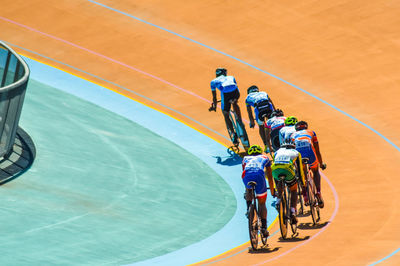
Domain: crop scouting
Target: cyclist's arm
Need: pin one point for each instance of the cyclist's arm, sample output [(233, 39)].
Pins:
[(318, 153), (214, 95), (270, 100), (268, 175), (250, 113)]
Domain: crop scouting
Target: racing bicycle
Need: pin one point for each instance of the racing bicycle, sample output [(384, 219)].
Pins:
[(255, 219), (238, 128), (311, 191), (284, 208)]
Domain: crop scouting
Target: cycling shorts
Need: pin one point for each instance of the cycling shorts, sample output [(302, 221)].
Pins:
[(310, 154), (263, 109), (259, 178), (227, 98), (284, 169)]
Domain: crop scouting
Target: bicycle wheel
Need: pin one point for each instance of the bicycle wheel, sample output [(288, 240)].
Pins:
[(311, 200), (231, 133), (253, 226), (283, 221), (243, 135), (293, 226), (241, 131)]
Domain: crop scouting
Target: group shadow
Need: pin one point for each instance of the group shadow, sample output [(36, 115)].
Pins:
[(234, 157)]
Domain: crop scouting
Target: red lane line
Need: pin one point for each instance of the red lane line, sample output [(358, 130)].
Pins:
[(105, 57)]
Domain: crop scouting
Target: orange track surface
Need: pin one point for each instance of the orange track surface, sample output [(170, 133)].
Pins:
[(345, 52)]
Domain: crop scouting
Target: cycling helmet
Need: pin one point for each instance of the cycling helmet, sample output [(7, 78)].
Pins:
[(251, 89), (291, 120), (288, 143), (254, 150), (301, 125), (276, 112), (220, 71)]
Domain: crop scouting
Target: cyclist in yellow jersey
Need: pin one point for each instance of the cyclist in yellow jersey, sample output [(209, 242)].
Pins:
[(288, 163)]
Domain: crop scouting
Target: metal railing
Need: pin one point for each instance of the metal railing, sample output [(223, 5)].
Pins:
[(14, 76)]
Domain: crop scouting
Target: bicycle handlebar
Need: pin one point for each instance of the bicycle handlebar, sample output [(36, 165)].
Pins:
[(213, 107)]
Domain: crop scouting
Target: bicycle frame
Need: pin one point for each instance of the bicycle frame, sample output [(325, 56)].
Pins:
[(239, 129), (284, 208)]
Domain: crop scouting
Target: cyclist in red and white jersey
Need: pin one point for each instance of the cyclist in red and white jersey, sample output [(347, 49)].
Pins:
[(273, 125), (256, 167)]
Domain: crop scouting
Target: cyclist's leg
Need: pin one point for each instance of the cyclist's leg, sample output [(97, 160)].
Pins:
[(261, 130), (261, 194), (262, 207), (248, 196), (292, 184), (226, 106), (317, 182), (304, 185), (236, 108)]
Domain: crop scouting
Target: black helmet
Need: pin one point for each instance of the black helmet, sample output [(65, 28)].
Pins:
[(277, 112), (220, 71), (301, 125), (288, 143), (251, 89)]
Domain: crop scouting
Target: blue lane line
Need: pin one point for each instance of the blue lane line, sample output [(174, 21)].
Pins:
[(250, 65), (385, 258), (263, 71), (168, 127)]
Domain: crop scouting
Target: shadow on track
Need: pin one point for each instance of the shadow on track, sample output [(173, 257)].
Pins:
[(311, 226), (263, 250), (234, 157), (294, 239), (20, 159)]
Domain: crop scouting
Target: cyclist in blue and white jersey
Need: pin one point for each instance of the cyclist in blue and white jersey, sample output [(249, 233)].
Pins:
[(286, 132), (229, 95), (256, 167), (263, 108)]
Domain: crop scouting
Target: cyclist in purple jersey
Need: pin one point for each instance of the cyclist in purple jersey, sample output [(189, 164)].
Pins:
[(229, 95), (263, 108), (255, 168)]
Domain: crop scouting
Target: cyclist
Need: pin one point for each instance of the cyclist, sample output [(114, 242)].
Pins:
[(288, 163), (255, 168), (263, 106), (273, 125), (307, 144), (229, 95), (286, 132)]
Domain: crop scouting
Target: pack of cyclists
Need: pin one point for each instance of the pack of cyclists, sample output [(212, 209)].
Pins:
[(285, 138)]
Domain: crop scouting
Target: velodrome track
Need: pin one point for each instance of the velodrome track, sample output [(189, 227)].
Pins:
[(344, 54)]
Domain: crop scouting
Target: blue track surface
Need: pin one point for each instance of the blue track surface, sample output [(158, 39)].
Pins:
[(210, 153)]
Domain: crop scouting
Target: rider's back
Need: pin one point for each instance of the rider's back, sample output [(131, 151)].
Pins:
[(256, 97), (224, 83), (255, 163)]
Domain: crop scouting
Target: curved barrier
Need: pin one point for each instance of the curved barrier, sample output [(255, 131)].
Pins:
[(14, 75)]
